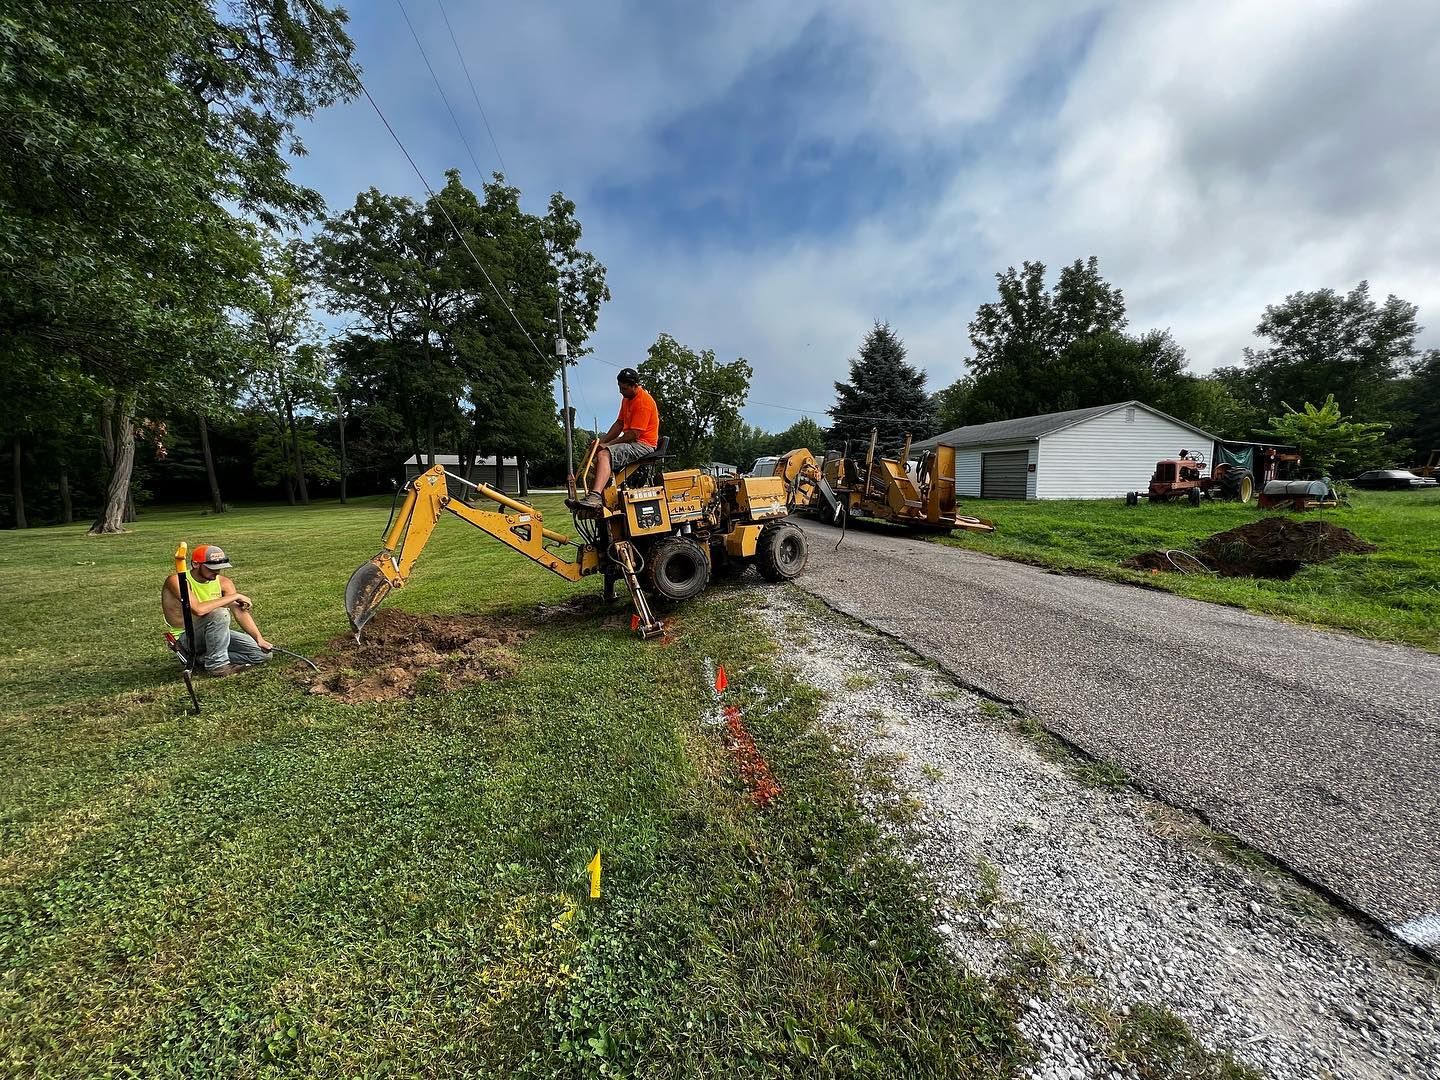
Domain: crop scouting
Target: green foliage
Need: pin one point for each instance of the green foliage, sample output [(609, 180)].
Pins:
[(1159, 1045), (287, 884), (1417, 407), (1327, 441), (739, 443), (1322, 343), (435, 348), (696, 396), (141, 142), (884, 392), (1039, 351), (1392, 595)]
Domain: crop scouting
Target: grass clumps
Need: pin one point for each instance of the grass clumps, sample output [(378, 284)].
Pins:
[(1159, 1045), (292, 883)]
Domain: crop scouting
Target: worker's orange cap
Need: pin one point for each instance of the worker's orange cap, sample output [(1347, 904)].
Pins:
[(209, 556)]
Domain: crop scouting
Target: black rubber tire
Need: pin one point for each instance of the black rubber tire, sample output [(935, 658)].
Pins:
[(782, 552), (1238, 485), (676, 568), (1132, 498), (1194, 496)]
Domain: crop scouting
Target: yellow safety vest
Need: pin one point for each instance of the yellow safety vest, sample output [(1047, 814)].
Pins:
[(201, 592)]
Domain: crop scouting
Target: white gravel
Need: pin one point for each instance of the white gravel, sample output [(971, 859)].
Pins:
[(1137, 901)]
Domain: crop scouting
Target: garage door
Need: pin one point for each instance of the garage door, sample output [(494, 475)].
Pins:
[(1003, 473)]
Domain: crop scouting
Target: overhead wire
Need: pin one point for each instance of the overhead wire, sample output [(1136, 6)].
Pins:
[(344, 57), (436, 80), (473, 92)]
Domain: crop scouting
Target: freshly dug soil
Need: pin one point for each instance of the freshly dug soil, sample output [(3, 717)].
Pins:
[(401, 655), (1271, 547)]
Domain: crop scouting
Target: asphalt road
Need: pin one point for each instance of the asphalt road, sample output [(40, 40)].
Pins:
[(1320, 749)]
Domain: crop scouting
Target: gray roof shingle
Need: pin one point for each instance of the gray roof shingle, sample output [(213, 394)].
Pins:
[(1029, 428)]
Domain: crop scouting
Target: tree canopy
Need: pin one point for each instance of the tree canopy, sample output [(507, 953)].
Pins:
[(884, 393), (144, 144), (695, 394)]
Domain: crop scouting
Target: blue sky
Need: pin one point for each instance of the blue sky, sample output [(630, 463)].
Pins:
[(767, 180)]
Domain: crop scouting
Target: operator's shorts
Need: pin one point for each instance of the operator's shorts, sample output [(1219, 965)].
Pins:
[(622, 454)]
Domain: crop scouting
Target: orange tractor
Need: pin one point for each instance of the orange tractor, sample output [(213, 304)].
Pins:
[(1241, 468)]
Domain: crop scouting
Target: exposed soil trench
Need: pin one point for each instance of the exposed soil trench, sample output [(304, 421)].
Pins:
[(400, 655), (1272, 547)]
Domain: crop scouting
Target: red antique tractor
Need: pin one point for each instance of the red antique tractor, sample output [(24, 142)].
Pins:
[(1184, 478)]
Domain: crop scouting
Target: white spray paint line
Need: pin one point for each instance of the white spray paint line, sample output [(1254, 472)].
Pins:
[(1424, 931)]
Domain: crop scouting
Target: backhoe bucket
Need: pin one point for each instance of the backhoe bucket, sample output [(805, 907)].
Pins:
[(366, 591)]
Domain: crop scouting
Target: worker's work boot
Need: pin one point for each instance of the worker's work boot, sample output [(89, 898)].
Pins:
[(225, 669), (591, 505)]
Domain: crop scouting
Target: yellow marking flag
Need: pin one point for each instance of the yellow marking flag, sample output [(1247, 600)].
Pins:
[(594, 868)]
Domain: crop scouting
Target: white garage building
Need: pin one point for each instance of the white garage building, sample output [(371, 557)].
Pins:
[(1096, 453)]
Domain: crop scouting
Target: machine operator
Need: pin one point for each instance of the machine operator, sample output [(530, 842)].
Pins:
[(635, 433)]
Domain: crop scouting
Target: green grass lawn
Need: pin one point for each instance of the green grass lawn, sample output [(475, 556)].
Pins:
[(1393, 594), (289, 885)]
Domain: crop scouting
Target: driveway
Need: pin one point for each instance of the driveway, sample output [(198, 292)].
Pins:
[(1319, 749)]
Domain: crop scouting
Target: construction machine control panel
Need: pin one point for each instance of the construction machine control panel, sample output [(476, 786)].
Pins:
[(646, 512)]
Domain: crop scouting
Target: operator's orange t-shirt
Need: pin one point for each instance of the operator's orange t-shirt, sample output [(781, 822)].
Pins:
[(639, 413)]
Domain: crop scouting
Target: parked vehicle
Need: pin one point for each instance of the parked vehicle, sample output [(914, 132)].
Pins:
[(1392, 480), (763, 466)]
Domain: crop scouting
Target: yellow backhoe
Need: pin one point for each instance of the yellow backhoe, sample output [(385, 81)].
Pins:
[(665, 536), (882, 488)]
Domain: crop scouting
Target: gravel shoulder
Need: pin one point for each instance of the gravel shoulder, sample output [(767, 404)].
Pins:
[(1319, 749), (1096, 903)]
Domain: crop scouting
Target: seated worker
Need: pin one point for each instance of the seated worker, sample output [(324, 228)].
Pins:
[(222, 651), (634, 434)]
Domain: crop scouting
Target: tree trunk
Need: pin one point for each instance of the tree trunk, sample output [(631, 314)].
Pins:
[(299, 459), (499, 470), (524, 479), (19, 474), (117, 426), (217, 504), (67, 510)]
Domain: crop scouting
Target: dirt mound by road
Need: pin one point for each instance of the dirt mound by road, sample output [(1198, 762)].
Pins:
[(401, 655), (1272, 547)]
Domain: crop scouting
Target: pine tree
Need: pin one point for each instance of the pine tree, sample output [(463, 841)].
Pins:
[(884, 387)]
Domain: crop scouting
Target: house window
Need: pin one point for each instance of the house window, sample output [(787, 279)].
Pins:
[(1130, 415)]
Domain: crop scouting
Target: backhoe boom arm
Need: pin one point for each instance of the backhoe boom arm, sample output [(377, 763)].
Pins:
[(517, 526)]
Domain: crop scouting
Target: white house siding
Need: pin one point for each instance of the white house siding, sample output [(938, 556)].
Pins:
[(1106, 456), (967, 468)]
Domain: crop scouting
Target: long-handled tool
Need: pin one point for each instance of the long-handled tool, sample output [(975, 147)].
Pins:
[(187, 658), (297, 656)]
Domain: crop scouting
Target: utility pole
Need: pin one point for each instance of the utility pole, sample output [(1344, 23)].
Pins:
[(562, 350), (344, 469)]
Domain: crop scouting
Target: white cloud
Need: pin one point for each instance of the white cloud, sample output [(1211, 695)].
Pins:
[(1215, 157)]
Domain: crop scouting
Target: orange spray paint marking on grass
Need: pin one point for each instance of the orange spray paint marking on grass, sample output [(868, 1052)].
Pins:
[(754, 771)]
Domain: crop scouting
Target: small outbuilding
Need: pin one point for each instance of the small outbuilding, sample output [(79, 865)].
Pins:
[(504, 475), (1095, 453)]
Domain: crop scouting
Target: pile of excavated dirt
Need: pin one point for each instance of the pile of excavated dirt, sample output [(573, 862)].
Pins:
[(1272, 547), (401, 654)]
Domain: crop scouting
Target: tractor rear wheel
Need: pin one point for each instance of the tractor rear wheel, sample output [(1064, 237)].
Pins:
[(676, 568), (1238, 484), (1132, 498), (782, 551), (1194, 496)]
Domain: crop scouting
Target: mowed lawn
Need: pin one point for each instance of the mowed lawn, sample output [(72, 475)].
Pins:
[(1393, 594), (287, 885)]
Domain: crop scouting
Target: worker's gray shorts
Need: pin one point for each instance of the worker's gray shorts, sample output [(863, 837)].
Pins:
[(219, 645), (622, 454)]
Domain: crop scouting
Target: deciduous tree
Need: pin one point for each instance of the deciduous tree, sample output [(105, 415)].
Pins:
[(694, 393)]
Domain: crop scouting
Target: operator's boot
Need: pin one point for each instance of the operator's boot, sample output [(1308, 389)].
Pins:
[(592, 505)]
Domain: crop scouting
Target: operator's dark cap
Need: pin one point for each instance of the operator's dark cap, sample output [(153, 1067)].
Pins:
[(210, 556), (629, 375)]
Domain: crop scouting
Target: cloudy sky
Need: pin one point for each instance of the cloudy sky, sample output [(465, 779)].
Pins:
[(768, 179)]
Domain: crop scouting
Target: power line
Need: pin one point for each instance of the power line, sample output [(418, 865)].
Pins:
[(473, 93), (479, 172), (344, 57), (325, 29), (796, 409)]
